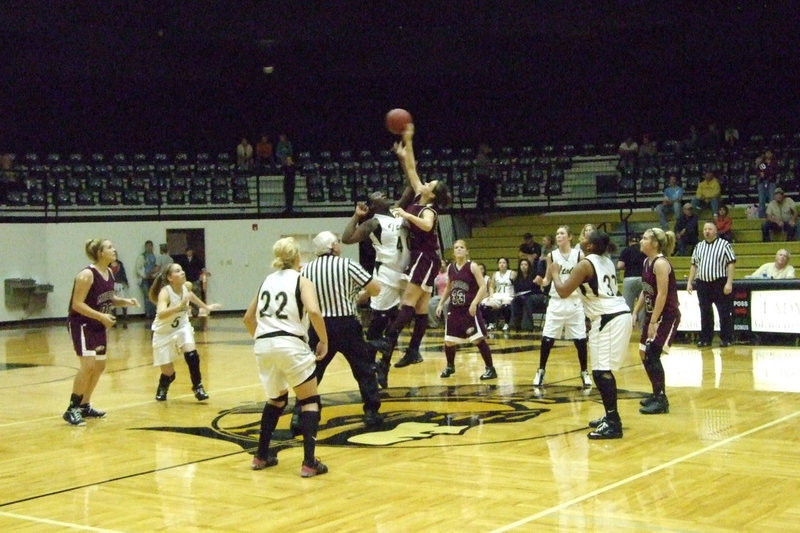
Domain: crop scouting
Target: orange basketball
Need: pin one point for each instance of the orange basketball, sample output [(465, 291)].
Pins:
[(396, 120)]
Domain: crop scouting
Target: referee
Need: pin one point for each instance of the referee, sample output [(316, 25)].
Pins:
[(713, 264), (337, 280)]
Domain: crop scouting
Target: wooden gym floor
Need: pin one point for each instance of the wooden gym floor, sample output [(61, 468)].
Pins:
[(454, 454)]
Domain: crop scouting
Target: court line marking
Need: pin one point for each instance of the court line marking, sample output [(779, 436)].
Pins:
[(621, 482), (56, 522)]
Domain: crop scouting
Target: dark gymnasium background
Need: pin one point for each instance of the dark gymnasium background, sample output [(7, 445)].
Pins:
[(167, 76)]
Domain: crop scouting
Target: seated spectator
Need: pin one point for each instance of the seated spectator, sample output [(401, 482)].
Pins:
[(648, 151), (265, 155), (673, 197), (686, 230), (708, 193), (724, 224), (781, 216), (439, 284), (731, 138), (501, 292), (767, 173), (711, 140), (244, 155), (10, 179), (526, 295), (628, 153), (689, 144), (780, 269), (529, 249)]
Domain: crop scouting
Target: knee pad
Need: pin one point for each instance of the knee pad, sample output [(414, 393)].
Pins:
[(548, 342), (311, 400), (652, 352), (283, 399)]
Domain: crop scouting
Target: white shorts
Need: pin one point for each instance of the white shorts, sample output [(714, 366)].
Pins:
[(167, 347), (392, 283), (497, 300), (283, 362), (608, 347), (564, 315)]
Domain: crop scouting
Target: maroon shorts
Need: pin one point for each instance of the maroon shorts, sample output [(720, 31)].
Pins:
[(665, 332), (462, 327), (423, 268), (88, 339)]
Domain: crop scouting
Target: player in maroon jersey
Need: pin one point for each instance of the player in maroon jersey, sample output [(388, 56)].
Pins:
[(89, 317), (662, 316), (421, 217), (465, 289)]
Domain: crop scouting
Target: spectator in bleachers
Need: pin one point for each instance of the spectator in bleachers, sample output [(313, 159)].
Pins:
[(731, 138), (781, 216), (289, 182), (529, 249), (648, 151), (780, 269), (548, 245), (9, 178), (526, 294), (708, 193), (284, 149), (244, 155), (767, 172), (628, 153), (487, 188), (673, 197), (712, 139), (630, 262), (686, 230), (724, 223), (689, 144), (265, 154)]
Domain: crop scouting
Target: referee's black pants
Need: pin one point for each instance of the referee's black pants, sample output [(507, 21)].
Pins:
[(345, 335), (712, 292)]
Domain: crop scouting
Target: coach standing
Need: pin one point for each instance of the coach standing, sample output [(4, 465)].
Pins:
[(713, 264), (336, 280)]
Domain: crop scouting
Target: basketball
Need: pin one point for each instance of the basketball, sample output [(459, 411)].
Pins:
[(396, 121)]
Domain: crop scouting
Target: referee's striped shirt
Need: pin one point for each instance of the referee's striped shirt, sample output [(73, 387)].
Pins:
[(337, 281), (712, 259)]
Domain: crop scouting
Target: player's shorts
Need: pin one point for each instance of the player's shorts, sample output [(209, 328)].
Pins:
[(423, 269), (461, 327), (283, 362), (166, 347), (497, 300), (392, 285), (566, 315), (665, 332), (608, 341), (88, 339)]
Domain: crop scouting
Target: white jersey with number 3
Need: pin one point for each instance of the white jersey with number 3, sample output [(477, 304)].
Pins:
[(601, 294), (279, 308)]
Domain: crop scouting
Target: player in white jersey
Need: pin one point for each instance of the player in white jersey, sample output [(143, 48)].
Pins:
[(389, 237), (275, 319), (611, 324), (172, 331), (564, 313), (501, 293)]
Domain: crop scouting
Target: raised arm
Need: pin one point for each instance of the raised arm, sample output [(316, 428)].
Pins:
[(356, 231), (405, 154)]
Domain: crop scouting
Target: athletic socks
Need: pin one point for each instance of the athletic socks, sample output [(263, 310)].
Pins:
[(193, 361), (310, 421)]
